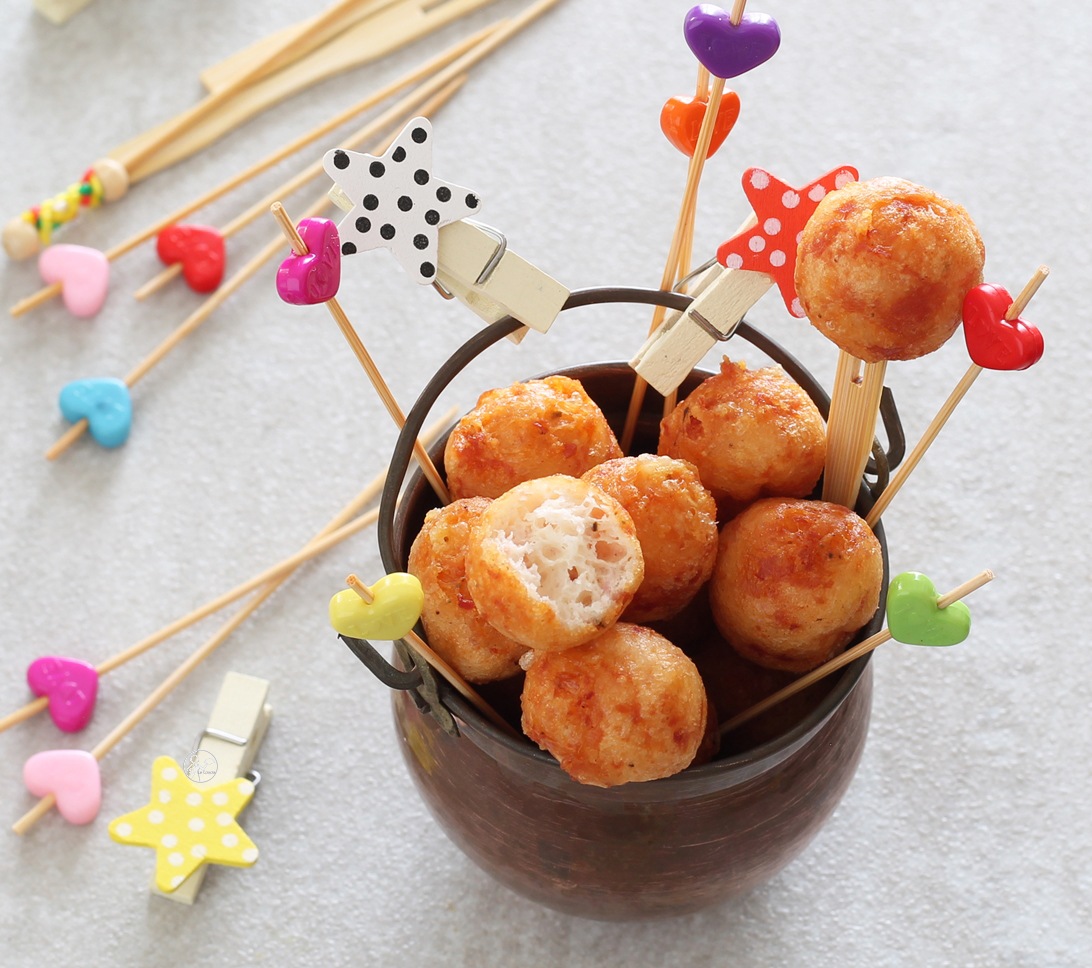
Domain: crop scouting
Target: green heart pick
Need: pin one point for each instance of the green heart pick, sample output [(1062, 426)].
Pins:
[(914, 618)]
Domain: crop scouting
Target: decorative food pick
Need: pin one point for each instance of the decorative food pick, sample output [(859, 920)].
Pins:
[(71, 778), (299, 248), (995, 335), (699, 28), (315, 276), (82, 273), (188, 825), (199, 249), (473, 48), (425, 653), (912, 628), (413, 103), (387, 611), (730, 45), (681, 120), (782, 212), (398, 204), (106, 180), (342, 526), (71, 686), (339, 38), (915, 617), (105, 404)]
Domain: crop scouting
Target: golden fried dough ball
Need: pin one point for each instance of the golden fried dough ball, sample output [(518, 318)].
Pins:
[(455, 627), (676, 522), (553, 562), (883, 266), (750, 434), (525, 431), (794, 581), (626, 706)]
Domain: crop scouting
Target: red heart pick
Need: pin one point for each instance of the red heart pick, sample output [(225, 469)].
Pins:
[(681, 118), (994, 342), (71, 685), (200, 249)]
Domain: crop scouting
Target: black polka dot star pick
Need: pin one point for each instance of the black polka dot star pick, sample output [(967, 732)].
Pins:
[(397, 203)]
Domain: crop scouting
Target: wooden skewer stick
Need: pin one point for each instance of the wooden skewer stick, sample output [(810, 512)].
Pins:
[(44, 805), (685, 219), (341, 527), (366, 361), (938, 422), (46, 293), (851, 427), (862, 648), (398, 115), (425, 652)]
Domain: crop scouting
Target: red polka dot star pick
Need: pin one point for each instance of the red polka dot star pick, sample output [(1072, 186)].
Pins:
[(782, 213)]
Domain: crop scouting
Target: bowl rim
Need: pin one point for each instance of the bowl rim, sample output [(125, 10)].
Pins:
[(394, 509)]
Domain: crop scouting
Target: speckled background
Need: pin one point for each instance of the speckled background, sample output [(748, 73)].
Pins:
[(964, 838)]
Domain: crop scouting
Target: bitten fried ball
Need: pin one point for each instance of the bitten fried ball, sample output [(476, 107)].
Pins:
[(676, 521), (750, 434), (453, 624), (553, 562), (794, 581), (626, 706), (883, 266), (524, 431)]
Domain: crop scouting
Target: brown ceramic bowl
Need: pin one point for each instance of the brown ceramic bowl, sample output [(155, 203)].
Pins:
[(642, 850)]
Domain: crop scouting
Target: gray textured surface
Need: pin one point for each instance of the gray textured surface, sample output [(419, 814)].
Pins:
[(963, 840)]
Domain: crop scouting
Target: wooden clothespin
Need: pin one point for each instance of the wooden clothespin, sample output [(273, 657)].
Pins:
[(59, 11), (190, 819), (394, 201), (721, 298)]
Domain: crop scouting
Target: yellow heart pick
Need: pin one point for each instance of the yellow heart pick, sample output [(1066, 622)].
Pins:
[(398, 600)]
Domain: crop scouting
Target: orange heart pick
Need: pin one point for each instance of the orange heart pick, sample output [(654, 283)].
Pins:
[(681, 117)]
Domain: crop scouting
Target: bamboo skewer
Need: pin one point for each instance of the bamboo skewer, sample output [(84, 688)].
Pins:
[(365, 41), (299, 247), (164, 688), (398, 115), (437, 63), (851, 426), (933, 430), (685, 220), (280, 55), (425, 652), (342, 527), (845, 658)]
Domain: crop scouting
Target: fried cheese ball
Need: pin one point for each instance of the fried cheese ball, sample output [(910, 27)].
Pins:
[(883, 266), (625, 707), (676, 521), (455, 627), (794, 581), (750, 434), (525, 431), (553, 562)]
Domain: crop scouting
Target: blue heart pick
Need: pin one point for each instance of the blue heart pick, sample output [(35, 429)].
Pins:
[(106, 405)]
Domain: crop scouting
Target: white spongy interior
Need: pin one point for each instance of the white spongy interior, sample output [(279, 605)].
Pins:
[(570, 554)]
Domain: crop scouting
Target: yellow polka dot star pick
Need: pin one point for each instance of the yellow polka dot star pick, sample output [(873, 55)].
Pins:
[(188, 825)]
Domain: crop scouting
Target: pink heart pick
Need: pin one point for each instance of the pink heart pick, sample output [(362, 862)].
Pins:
[(83, 273), (71, 686), (304, 280), (72, 776)]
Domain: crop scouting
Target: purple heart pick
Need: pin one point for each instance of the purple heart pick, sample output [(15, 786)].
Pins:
[(71, 686), (726, 49), (304, 280)]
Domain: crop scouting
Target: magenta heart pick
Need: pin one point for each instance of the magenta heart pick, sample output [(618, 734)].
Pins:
[(304, 280), (71, 686), (72, 776), (726, 49)]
